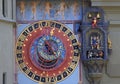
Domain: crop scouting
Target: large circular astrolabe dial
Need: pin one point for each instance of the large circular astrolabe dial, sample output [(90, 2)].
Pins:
[(47, 51)]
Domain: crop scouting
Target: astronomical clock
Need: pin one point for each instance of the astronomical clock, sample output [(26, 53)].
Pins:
[(47, 51)]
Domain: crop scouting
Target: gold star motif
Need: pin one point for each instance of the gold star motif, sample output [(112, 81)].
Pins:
[(40, 28), (64, 68), (68, 39), (59, 72), (53, 74), (30, 34), (26, 39), (63, 34), (70, 57), (35, 72), (24, 45), (30, 68)]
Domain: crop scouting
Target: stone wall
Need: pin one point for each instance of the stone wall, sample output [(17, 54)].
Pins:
[(112, 10)]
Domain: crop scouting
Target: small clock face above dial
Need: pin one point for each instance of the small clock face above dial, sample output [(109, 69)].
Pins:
[(47, 51)]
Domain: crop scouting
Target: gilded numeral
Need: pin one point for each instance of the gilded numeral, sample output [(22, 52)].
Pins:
[(27, 71), (52, 24), (37, 78), (58, 25), (30, 29), (75, 58), (59, 77)]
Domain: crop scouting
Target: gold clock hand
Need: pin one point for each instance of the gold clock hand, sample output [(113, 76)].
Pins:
[(49, 47)]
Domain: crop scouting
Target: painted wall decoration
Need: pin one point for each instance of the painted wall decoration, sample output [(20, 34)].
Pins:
[(52, 9), (30, 12)]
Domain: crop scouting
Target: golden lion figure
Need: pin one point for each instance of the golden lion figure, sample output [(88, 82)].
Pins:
[(109, 43)]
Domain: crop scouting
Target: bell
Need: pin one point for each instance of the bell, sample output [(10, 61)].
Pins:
[(89, 16), (98, 16)]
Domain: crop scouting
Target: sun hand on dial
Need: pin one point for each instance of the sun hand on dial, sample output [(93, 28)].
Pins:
[(49, 48)]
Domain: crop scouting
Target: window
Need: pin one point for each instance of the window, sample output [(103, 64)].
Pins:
[(4, 8), (4, 77)]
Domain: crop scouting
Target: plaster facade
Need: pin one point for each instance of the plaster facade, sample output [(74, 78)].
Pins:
[(7, 42)]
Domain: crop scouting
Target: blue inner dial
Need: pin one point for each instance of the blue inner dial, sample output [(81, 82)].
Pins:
[(47, 51), (50, 47)]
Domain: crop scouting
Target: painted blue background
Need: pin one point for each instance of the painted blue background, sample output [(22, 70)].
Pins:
[(72, 11)]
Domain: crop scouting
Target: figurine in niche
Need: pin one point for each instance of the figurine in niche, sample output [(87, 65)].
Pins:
[(34, 6), (94, 18), (89, 54), (92, 54), (61, 9), (109, 46), (100, 54), (95, 42), (48, 7), (22, 8), (109, 43), (95, 54), (94, 22)]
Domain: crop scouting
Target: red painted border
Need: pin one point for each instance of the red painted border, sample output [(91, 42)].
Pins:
[(39, 33)]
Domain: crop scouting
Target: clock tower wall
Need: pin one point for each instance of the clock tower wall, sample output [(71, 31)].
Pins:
[(7, 42), (112, 70), (7, 59)]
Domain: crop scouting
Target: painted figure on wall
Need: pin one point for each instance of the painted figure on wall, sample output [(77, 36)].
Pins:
[(75, 9), (61, 10), (33, 8), (22, 8), (48, 7)]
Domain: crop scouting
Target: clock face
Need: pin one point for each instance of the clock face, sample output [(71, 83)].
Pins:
[(47, 51)]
